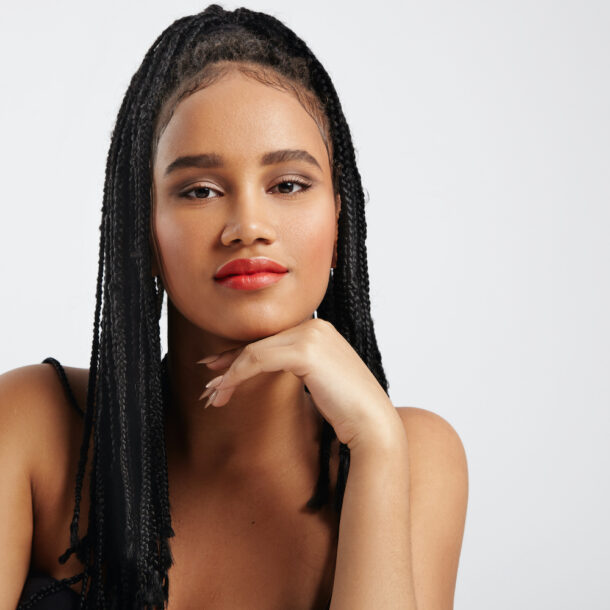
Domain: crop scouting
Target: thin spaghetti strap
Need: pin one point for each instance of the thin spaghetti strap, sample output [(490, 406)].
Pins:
[(64, 381)]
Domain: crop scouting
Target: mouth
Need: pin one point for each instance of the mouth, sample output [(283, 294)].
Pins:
[(249, 266), (251, 281)]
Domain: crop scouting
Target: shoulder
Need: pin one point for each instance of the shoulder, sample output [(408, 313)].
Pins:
[(438, 495), (40, 426), (32, 395), (437, 456), (26, 394), (40, 436), (431, 434), (436, 453), (29, 401)]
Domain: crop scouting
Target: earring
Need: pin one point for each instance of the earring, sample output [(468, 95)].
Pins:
[(159, 294), (315, 313)]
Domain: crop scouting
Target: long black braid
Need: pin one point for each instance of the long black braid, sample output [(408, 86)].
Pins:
[(125, 551)]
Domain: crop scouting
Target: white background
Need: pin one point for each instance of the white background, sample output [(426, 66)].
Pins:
[(482, 131)]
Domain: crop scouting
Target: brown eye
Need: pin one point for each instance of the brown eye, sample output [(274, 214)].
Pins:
[(287, 187), (201, 192)]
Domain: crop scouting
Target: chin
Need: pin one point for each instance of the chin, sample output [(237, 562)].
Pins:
[(253, 330)]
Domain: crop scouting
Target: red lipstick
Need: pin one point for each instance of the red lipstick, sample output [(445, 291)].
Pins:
[(250, 273)]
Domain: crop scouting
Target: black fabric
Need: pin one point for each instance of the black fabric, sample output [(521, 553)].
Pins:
[(63, 599)]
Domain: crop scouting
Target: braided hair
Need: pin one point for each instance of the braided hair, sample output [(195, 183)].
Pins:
[(125, 551)]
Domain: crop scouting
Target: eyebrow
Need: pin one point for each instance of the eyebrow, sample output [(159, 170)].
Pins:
[(212, 160)]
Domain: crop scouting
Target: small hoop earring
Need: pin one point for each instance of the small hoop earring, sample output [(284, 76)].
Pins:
[(315, 313), (159, 293)]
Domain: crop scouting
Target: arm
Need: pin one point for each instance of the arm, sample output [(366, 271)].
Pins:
[(402, 519), (16, 520), (405, 502), (374, 562)]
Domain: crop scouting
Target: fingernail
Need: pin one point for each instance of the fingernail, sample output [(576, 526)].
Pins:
[(211, 399), (214, 382), (206, 393), (208, 359)]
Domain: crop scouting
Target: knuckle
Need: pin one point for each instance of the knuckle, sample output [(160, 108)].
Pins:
[(311, 341), (312, 333), (327, 325), (252, 354), (320, 326)]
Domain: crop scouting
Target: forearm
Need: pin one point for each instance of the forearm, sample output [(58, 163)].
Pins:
[(374, 569)]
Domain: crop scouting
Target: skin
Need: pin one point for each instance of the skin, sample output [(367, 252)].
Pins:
[(238, 474), (243, 214), (267, 342)]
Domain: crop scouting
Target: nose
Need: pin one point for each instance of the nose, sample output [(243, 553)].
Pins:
[(249, 220)]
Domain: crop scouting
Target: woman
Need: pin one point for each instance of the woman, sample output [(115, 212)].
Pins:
[(231, 185)]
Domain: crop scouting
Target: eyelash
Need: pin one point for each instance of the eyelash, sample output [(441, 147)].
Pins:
[(302, 183)]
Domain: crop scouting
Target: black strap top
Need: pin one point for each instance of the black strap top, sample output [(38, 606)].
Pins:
[(57, 594)]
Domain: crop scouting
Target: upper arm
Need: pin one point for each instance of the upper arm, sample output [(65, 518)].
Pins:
[(17, 449), (438, 503)]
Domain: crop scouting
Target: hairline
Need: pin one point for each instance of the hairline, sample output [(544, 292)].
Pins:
[(267, 75)]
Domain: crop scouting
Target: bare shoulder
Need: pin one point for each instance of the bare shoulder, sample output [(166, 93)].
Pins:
[(33, 400), (26, 394), (41, 434), (32, 430), (437, 456), (34, 405), (438, 503), (426, 429)]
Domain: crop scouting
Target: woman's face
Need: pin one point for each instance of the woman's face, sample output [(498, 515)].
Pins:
[(234, 203)]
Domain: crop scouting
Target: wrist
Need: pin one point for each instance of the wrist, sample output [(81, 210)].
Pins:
[(380, 438)]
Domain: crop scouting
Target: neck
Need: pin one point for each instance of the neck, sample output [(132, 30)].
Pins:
[(270, 420)]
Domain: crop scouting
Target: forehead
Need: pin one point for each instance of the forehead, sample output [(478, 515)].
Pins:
[(239, 118)]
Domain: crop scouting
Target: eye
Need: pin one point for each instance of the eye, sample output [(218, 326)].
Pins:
[(290, 183), (287, 187), (201, 192)]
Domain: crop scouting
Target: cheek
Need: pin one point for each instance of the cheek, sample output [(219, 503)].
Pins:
[(315, 238), (177, 241), (169, 235)]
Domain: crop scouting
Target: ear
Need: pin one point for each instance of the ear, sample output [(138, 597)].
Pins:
[(337, 212)]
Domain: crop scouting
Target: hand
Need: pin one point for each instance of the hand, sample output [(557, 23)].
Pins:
[(342, 387)]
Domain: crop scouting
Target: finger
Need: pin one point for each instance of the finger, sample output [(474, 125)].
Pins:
[(222, 397), (260, 359), (223, 360), (286, 337)]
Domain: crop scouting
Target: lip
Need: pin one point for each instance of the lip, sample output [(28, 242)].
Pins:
[(251, 281), (243, 267)]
